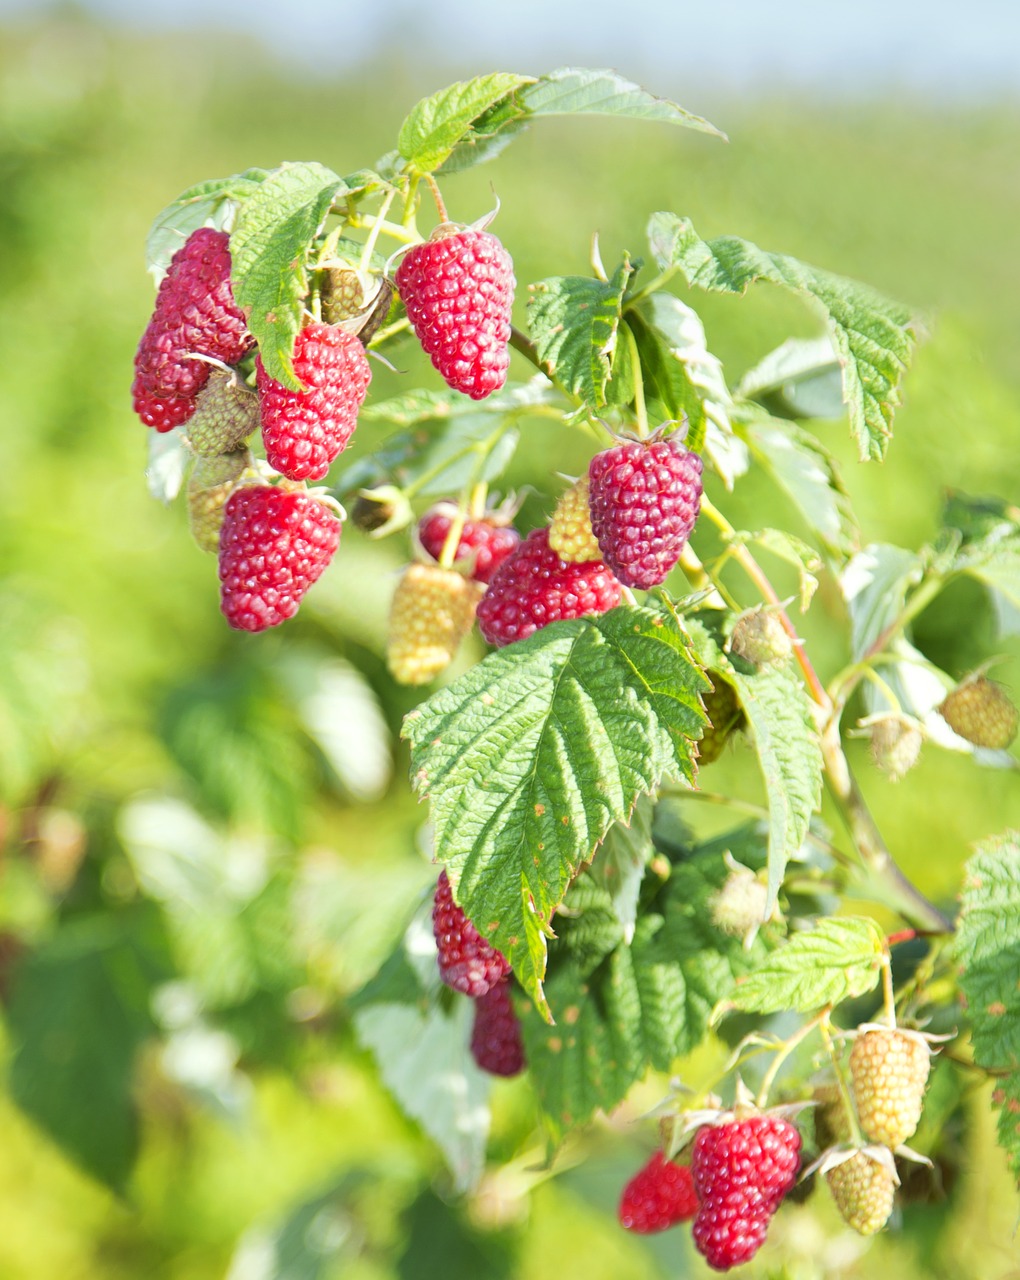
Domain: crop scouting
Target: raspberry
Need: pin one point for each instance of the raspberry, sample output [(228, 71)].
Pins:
[(496, 1036), (889, 1069), (863, 1189), (195, 314), (831, 1123), (209, 488), (273, 545), (658, 1196), (895, 744), (760, 638), (226, 414), (458, 290), (467, 963), (725, 717), (303, 431), (534, 588), (738, 908), (432, 612), (570, 534), (490, 543), (742, 1170), (979, 710), (644, 500)]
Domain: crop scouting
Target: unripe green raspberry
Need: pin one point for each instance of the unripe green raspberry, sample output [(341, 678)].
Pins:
[(895, 744), (570, 533), (725, 717), (356, 299), (738, 908), (863, 1188), (979, 710), (227, 413), (760, 638), (212, 482), (832, 1125)]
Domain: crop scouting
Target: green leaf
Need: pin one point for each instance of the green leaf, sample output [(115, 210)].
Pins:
[(581, 91), (643, 1006), (802, 378), (835, 961), (212, 203), (435, 125), (796, 552), (419, 1033), (995, 562), (806, 471), (574, 322), (530, 756), (873, 335), (686, 378), (415, 407), (875, 585), (79, 1015), (272, 233), (619, 866), (988, 950), (781, 723), (168, 462)]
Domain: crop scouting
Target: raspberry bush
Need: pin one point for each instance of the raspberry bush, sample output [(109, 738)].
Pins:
[(590, 930)]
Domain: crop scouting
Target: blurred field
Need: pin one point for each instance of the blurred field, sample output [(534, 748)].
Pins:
[(118, 678)]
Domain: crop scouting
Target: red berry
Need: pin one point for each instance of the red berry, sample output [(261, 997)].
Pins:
[(534, 587), (195, 315), (303, 431), (658, 1196), (466, 960), (459, 291), (489, 543), (273, 545), (644, 501), (742, 1170), (496, 1036)]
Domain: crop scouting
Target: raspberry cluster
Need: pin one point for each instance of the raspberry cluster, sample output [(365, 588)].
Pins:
[(483, 544), (195, 316)]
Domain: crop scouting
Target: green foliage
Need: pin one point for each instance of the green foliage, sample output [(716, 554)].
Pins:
[(213, 203), (574, 323), (835, 961), (874, 336), (437, 124), (529, 757)]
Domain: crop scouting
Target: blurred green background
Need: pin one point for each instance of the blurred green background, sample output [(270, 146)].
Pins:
[(208, 838)]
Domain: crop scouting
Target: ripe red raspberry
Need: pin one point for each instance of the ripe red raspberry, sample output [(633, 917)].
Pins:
[(644, 500), (658, 1196), (195, 314), (534, 587), (496, 1036), (274, 544), (742, 1170), (303, 431), (489, 543), (467, 962), (459, 290)]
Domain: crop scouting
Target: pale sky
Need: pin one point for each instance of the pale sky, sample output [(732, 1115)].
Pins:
[(855, 48)]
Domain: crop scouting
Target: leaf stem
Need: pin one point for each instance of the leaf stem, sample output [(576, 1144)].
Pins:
[(522, 343), (788, 1047), (378, 222), (392, 229), (640, 408), (653, 285), (437, 197), (846, 1097)]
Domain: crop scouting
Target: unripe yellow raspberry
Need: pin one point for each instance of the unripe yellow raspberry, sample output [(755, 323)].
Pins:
[(889, 1068), (570, 534), (432, 612), (863, 1188)]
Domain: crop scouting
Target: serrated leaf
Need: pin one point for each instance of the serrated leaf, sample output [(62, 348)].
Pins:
[(583, 91), (873, 335), (168, 462), (272, 233), (786, 740), (835, 961), (529, 757), (435, 125), (875, 585), (574, 322), (802, 378), (619, 865), (644, 1006), (988, 950), (1007, 1098), (213, 203), (995, 562), (686, 378), (420, 1036), (78, 1017), (980, 520), (808, 473)]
